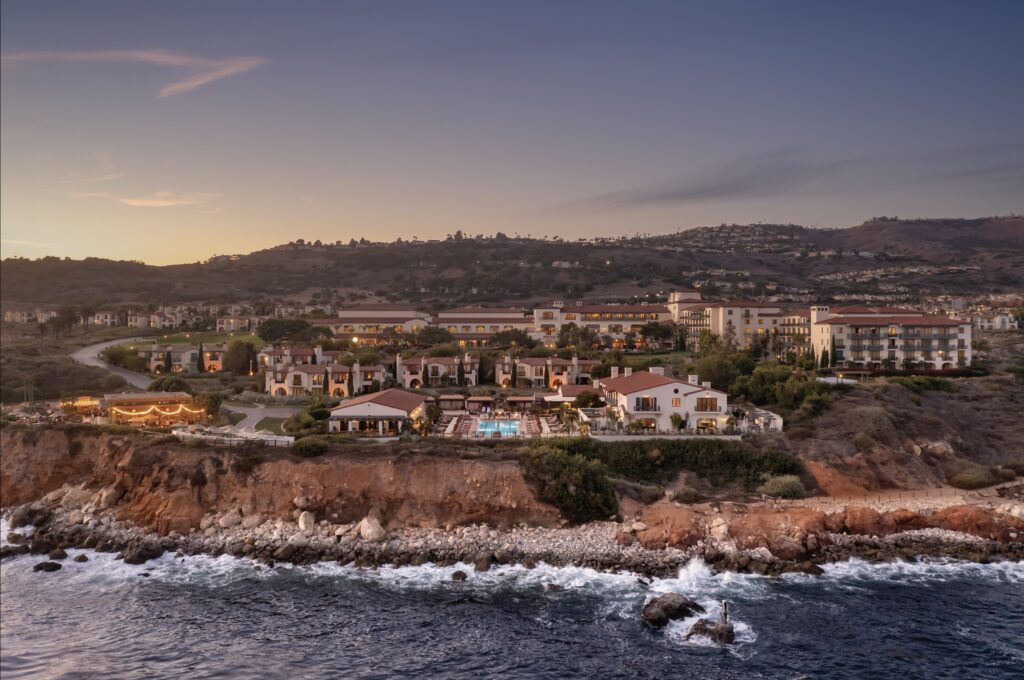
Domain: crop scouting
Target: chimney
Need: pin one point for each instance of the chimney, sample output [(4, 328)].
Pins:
[(627, 371), (693, 379), (706, 384), (657, 370), (318, 351), (615, 372)]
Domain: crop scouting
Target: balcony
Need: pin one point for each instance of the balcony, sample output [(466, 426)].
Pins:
[(646, 408)]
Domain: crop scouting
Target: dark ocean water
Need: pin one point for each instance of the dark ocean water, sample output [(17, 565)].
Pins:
[(222, 618)]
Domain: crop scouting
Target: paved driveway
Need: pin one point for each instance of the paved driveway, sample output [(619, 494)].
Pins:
[(90, 356), (254, 413)]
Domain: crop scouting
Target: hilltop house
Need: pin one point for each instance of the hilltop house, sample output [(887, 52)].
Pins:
[(304, 380), (651, 399), (184, 358)]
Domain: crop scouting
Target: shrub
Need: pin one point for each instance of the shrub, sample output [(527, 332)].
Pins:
[(1005, 474), (578, 487), (785, 486), (863, 441), (973, 478), (921, 383), (193, 443), (170, 383), (658, 461), (309, 447), (687, 494)]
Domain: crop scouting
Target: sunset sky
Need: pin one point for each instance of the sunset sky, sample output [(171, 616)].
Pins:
[(169, 132)]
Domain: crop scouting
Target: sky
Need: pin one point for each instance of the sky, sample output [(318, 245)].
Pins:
[(170, 132)]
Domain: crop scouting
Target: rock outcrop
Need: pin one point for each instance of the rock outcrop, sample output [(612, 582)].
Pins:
[(669, 607)]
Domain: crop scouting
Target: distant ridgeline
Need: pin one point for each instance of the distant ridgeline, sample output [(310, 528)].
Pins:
[(933, 255)]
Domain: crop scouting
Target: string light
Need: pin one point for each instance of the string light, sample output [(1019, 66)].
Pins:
[(156, 409)]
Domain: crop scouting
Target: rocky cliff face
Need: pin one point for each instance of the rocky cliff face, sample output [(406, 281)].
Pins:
[(165, 486)]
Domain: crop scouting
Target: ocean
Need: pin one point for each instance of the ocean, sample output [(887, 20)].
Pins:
[(202, 617)]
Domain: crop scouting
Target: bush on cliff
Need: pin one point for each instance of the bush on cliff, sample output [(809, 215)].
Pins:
[(785, 486), (309, 447), (973, 478), (659, 461), (578, 487)]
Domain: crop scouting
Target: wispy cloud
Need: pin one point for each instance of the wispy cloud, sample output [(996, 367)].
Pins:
[(33, 244), (203, 69), (90, 195), (168, 199), (756, 177)]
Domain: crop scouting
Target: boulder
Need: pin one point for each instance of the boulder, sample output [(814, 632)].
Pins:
[(669, 607), (47, 566), (624, 538), (142, 552), (302, 502), (108, 497), (720, 631), (74, 499), (81, 558), (13, 551), (459, 575), (370, 529), (252, 521), (482, 562), (58, 554), (307, 521), (27, 515), (16, 539), (232, 518)]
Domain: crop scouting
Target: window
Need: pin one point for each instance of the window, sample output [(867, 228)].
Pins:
[(676, 403), (707, 404)]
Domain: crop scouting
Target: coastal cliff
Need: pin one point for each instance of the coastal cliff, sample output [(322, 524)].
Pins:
[(142, 495)]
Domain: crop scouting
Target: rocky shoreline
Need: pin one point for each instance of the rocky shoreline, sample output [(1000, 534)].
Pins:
[(65, 519)]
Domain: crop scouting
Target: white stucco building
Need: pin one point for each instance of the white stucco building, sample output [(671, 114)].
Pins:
[(651, 399)]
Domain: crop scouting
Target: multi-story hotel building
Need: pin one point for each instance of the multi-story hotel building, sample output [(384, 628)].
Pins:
[(615, 321), (474, 326), (866, 337)]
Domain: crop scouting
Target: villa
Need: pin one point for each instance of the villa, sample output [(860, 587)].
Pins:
[(304, 380), (651, 399), (543, 372), (183, 358), (421, 372), (381, 414)]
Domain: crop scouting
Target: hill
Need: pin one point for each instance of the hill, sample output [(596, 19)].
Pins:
[(880, 256)]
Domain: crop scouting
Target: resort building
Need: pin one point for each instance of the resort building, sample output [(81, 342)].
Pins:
[(151, 408), (612, 320), (380, 414), (105, 318), (650, 400), (543, 372), (138, 319), (735, 322), (421, 372), (232, 324), (474, 326), (182, 358), (995, 322), (307, 380), (865, 337), (25, 313)]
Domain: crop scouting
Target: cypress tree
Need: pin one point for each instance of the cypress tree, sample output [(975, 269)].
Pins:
[(547, 376), (351, 385), (201, 362), (460, 373), (168, 365), (832, 353), (327, 383), (825, 359)]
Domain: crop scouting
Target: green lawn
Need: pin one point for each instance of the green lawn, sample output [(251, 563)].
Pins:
[(272, 425), (205, 337), (234, 417)]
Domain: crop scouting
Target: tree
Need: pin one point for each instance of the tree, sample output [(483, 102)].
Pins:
[(654, 333), (614, 417), (460, 373), (350, 384), (571, 335), (170, 383), (240, 357), (832, 353), (717, 369), (677, 421), (547, 376), (825, 359), (729, 341), (327, 382), (432, 335), (201, 361), (275, 330), (707, 342), (587, 399), (515, 337), (168, 364)]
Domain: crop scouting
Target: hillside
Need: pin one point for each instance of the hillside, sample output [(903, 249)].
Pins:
[(879, 256)]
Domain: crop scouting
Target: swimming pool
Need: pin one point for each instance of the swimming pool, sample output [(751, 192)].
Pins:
[(504, 428)]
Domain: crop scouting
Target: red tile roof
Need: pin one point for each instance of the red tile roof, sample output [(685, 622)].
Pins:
[(643, 380), (392, 398), (894, 320), (611, 309)]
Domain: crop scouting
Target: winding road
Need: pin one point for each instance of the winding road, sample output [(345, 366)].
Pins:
[(90, 356)]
